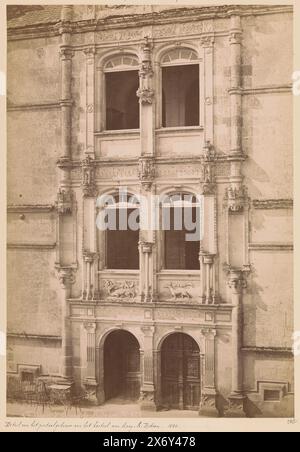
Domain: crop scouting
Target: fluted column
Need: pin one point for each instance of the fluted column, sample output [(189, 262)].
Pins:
[(236, 283), (90, 381)]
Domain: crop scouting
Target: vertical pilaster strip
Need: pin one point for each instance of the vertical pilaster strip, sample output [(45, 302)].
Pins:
[(207, 42), (236, 283), (90, 381), (208, 404), (90, 100), (147, 399)]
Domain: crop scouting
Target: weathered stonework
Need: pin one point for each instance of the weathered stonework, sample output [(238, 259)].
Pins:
[(225, 316)]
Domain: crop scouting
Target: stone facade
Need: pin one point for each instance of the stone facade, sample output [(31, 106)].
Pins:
[(238, 307)]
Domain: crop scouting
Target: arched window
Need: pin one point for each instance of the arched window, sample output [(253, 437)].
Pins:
[(180, 88), (181, 225), (122, 224), (121, 85)]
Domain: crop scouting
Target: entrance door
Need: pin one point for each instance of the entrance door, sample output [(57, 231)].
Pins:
[(121, 366), (180, 365)]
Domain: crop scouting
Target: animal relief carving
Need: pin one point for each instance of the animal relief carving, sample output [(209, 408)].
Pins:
[(121, 290)]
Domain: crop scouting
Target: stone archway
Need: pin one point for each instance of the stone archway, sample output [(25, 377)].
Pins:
[(180, 372), (121, 360)]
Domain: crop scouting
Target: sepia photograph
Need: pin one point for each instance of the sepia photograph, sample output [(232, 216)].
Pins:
[(150, 224)]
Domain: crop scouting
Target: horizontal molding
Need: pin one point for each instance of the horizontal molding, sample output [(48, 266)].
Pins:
[(34, 106), (31, 246), (280, 350), (271, 89), (272, 204), (271, 247), (34, 336), (29, 208), (173, 16)]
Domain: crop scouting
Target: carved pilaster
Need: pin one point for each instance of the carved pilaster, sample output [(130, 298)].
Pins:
[(66, 276), (90, 382), (88, 177), (208, 165), (146, 282), (208, 293), (147, 396), (237, 283), (147, 171), (90, 286)]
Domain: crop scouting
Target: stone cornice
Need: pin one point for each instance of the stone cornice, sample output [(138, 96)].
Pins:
[(272, 204), (34, 106), (34, 336), (279, 350), (271, 247), (30, 208), (31, 246), (139, 20)]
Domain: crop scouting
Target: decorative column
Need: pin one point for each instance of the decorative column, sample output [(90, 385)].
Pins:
[(90, 381), (208, 404), (66, 55), (145, 94), (207, 42), (66, 278), (147, 399), (236, 192), (147, 234), (236, 283), (90, 290)]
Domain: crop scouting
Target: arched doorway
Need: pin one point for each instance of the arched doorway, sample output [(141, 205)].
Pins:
[(180, 371), (122, 377)]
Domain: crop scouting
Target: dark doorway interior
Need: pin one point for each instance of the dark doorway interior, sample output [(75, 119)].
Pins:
[(180, 366), (121, 366)]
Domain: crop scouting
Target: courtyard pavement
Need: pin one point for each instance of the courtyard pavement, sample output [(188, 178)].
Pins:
[(113, 409)]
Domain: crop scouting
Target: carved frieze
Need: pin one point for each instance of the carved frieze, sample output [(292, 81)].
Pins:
[(180, 171), (117, 172), (132, 34), (180, 291), (121, 290), (190, 28)]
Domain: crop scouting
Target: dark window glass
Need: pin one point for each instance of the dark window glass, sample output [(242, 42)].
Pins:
[(181, 254), (180, 96), (123, 246), (122, 105)]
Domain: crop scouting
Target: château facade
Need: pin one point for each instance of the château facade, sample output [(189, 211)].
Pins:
[(162, 101)]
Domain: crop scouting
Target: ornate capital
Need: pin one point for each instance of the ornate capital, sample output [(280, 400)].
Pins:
[(64, 202), (148, 330), (235, 37), (66, 53), (90, 327), (236, 198), (65, 275), (89, 256), (236, 281), (209, 333), (146, 247), (90, 52), (147, 171), (207, 41), (146, 95), (64, 163), (88, 177)]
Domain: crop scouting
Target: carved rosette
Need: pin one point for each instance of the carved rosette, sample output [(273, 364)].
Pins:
[(88, 177), (66, 275), (64, 201), (236, 198), (146, 172), (208, 165)]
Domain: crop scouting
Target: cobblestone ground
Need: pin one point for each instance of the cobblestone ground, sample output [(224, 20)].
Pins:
[(112, 409)]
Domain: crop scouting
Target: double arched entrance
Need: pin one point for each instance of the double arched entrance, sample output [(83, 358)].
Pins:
[(180, 372), (179, 364)]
